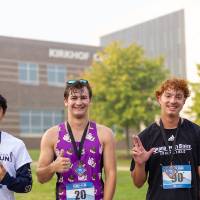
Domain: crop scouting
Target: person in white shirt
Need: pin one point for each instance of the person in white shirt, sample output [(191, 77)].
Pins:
[(15, 170)]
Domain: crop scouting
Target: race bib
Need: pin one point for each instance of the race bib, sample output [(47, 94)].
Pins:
[(79, 191), (176, 176)]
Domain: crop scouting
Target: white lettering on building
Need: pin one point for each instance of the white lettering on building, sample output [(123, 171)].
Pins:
[(68, 54)]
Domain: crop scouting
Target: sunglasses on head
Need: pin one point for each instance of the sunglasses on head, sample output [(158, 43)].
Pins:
[(82, 81)]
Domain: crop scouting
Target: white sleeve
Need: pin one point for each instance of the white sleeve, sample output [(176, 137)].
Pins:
[(22, 156)]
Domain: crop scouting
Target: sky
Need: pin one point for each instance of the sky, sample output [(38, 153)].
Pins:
[(85, 21)]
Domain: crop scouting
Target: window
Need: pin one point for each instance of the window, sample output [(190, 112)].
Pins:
[(28, 73), (56, 75), (37, 122)]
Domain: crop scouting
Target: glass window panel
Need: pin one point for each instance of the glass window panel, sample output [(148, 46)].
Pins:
[(51, 67), (36, 122), (51, 76), (58, 118), (33, 75), (36, 130), (47, 120), (22, 75), (56, 75), (28, 73), (33, 70), (61, 69), (36, 119), (32, 67), (22, 71), (25, 129), (61, 77), (22, 65), (24, 121)]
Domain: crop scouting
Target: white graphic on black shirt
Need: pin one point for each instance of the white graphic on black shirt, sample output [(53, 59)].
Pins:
[(179, 149), (171, 139)]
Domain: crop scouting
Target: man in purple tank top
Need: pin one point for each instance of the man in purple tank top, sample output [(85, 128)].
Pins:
[(77, 150)]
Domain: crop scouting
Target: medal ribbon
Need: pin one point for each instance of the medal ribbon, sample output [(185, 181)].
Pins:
[(77, 150), (165, 139)]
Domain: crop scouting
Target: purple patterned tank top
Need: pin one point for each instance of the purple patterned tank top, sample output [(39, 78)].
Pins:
[(86, 170)]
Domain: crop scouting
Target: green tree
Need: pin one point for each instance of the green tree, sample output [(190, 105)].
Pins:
[(195, 108), (123, 82)]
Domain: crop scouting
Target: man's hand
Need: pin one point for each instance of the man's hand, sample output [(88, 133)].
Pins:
[(61, 164), (2, 172), (140, 155)]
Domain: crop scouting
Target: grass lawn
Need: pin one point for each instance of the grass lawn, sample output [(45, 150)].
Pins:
[(124, 190)]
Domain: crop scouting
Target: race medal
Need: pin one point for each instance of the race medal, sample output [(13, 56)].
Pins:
[(81, 190), (80, 169), (176, 176)]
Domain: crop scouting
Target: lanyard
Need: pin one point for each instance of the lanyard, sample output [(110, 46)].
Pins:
[(165, 139), (77, 150)]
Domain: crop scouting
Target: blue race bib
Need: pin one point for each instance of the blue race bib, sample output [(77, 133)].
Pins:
[(176, 176)]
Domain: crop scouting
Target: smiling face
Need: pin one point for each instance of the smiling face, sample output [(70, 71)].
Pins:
[(78, 102), (171, 102)]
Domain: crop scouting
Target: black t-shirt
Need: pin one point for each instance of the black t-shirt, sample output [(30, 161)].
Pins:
[(187, 151)]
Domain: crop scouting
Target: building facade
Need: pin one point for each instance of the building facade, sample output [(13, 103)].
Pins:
[(163, 36), (32, 78)]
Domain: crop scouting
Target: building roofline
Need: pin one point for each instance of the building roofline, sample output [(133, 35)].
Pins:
[(141, 23), (27, 40)]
